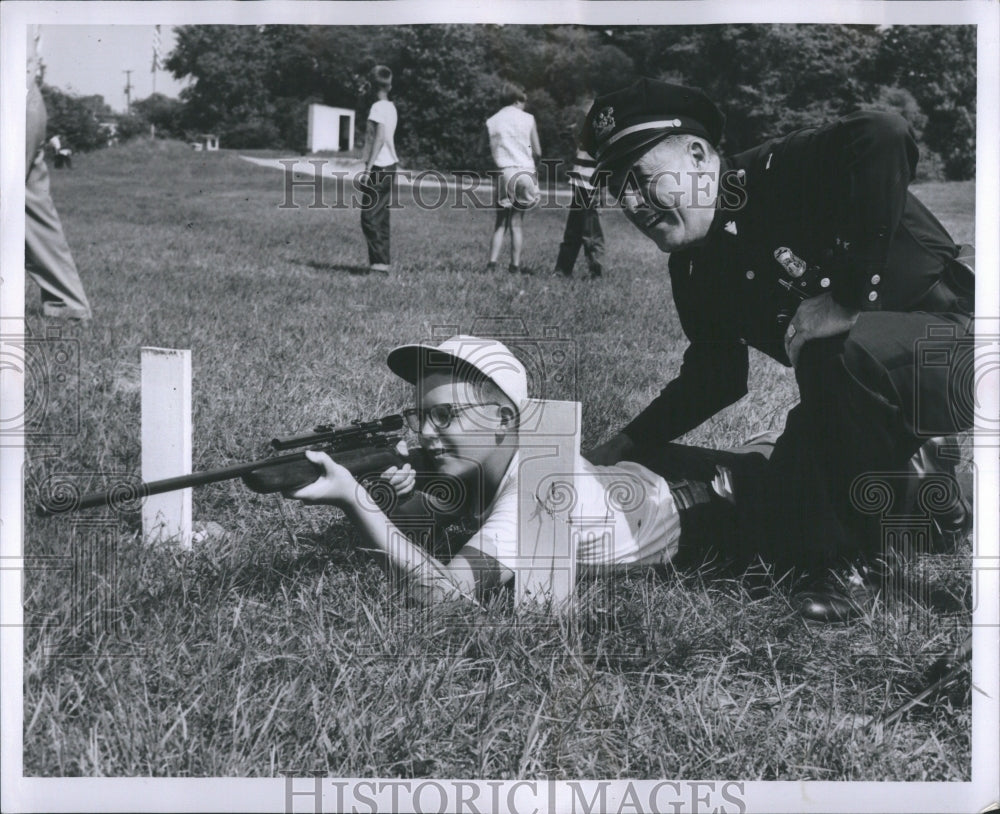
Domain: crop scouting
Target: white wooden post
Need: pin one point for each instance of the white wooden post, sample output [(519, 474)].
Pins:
[(549, 445), (166, 441)]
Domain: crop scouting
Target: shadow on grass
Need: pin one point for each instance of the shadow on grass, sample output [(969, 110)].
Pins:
[(343, 268)]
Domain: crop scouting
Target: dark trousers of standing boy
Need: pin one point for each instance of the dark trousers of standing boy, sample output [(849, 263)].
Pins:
[(375, 213), (583, 228)]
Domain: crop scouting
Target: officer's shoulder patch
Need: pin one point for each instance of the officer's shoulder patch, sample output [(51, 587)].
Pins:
[(604, 123)]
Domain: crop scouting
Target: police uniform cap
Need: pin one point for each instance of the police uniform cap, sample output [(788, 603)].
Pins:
[(624, 124)]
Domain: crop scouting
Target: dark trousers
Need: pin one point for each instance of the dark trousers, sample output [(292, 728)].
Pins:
[(378, 194), (711, 526), (583, 228), (869, 400)]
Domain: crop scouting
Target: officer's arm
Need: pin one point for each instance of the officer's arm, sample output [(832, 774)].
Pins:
[(714, 372), (713, 376), (876, 154)]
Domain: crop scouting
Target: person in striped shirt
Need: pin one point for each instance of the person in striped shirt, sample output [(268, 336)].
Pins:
[(583, 223)]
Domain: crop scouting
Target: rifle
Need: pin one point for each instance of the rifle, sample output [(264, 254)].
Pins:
[(366, 449)]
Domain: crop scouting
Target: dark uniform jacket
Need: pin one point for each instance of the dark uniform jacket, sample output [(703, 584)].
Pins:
[(829, 204)]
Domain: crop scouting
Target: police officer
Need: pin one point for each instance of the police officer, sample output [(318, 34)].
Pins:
[(811, 249)]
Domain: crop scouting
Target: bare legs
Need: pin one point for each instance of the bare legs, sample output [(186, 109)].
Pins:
[(508, 220)]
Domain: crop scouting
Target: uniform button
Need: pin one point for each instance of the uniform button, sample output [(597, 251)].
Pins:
[(876, 279), (824, 283), (750, 275), (872, 296)]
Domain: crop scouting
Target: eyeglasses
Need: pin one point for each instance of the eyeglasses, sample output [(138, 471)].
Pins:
[(440, 415)]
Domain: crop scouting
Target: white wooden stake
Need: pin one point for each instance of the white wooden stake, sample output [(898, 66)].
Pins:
[(166, 441)]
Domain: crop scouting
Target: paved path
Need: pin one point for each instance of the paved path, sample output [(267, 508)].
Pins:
[(427, 181)]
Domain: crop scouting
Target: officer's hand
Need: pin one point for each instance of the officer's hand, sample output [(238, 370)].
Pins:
[(611, 451), (336, 486), (816, 318)]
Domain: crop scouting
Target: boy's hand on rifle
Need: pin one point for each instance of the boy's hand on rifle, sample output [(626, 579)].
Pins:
[(401, 478), (336, 486)]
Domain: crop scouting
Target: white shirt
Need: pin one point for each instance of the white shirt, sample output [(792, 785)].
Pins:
[(384, 112), (623, 514), (510, 138)]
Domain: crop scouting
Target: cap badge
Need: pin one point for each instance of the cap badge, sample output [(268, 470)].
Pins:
[(605, 122), (793, 266)]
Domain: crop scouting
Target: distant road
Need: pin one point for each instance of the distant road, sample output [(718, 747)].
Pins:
[(428, 180)]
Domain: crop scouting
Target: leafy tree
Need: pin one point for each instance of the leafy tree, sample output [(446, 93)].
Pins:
[(443, 93), (937, 64), (769, 79), (232, 67), (131, 125), (165, 114), (76, 119), (253, 84)]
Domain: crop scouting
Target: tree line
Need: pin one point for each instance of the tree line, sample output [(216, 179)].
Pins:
[(253, 84)]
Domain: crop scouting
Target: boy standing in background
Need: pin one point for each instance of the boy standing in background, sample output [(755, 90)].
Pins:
[(514, 145), (380, 161)]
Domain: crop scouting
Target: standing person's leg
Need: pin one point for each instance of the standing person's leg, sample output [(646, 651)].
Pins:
[(383, 180), (387, 181), (375, 217), (500, 227), (47, 256), (593, 236), (516, 238), (369, 199), (573, 235)]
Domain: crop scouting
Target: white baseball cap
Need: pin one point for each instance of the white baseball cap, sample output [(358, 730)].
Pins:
[(488, 357)]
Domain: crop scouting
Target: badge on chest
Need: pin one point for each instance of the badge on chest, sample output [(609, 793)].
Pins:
[(800, 281)]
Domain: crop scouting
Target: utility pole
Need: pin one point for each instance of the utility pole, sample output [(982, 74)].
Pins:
[(128, 91)]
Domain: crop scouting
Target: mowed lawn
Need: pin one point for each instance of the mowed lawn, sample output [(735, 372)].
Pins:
[(274, 647)]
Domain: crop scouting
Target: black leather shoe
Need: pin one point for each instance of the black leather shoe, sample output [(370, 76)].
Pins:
[(952, 520), (951, 526), (837, 598)]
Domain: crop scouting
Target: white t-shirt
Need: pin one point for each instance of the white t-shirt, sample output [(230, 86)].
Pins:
[(510, 138), (624, 514), (384, 112)]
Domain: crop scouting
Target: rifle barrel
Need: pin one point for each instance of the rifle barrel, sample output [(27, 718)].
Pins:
[(146, 489)]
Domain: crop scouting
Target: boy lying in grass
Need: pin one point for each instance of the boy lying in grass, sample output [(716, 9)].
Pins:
[(470, 396)]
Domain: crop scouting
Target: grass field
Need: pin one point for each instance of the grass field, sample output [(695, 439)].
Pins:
[(274, 647)]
